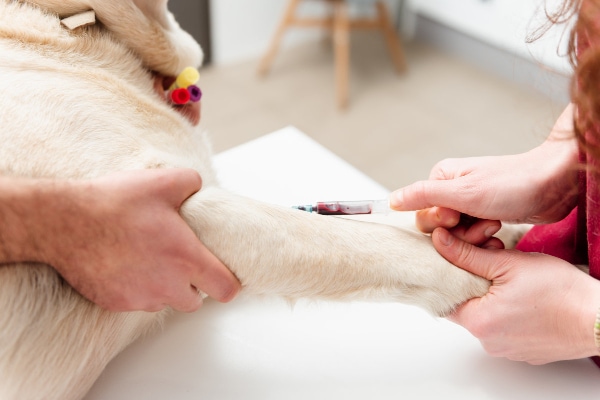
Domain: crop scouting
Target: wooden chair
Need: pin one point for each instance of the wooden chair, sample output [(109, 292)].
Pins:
[(340, 24)]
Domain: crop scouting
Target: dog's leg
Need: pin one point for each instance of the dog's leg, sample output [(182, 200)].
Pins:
[(145, 26), (279, 251), (53, 343)]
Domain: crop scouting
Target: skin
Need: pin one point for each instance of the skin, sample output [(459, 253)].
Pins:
[(539, 308)]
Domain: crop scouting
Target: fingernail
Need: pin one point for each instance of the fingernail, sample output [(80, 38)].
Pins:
[(491, 231), (445, 237), (396, 199)]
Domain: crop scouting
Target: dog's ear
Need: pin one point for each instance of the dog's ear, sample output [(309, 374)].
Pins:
[(60, 7), (184, 50), (155, 10)]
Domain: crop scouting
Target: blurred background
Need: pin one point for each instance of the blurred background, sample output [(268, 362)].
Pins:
[(472, 85)]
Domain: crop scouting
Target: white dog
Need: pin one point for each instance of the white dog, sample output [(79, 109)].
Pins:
[(54, 343)]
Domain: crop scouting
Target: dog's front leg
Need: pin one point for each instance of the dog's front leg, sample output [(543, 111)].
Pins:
[(280, 251)]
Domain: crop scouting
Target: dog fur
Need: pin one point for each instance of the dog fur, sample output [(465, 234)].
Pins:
[(80, 104)]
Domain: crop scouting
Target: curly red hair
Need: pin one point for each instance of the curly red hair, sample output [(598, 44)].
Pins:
[(584, 54)]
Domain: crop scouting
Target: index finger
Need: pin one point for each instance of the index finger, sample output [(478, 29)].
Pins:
[(426, 194), (213, 277)]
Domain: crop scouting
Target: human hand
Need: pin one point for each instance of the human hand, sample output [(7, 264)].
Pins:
[(533, 187), (539, 309), (119, 241)]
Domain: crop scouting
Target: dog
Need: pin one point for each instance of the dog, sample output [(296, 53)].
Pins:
[(92, 89)]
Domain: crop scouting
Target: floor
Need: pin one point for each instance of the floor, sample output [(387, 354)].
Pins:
[(396, 126)]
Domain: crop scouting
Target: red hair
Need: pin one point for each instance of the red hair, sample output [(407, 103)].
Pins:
[(584, 56), (585, 89)]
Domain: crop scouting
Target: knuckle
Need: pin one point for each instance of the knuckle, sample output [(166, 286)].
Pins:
[(194, 177), (465, 254), (228, 294), (419, 193), (438, 170)]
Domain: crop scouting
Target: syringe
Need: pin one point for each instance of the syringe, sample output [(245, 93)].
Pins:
[(348, 207)]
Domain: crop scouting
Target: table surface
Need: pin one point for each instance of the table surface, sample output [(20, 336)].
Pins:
[(261, 348)]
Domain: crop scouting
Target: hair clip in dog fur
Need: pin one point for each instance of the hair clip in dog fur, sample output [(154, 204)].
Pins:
[(79, 20)]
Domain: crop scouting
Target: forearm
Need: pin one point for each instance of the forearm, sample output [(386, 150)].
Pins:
[(559, 153), (21, 202)]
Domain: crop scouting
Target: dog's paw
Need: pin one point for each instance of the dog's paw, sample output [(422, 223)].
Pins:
[(511, 234)]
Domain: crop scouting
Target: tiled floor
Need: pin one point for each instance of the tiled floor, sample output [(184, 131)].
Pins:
[(396, 127)]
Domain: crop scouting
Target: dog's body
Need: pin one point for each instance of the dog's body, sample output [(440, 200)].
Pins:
[(80, 104)]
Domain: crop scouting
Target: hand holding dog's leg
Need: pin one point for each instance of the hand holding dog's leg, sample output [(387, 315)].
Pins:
[(120, 241), (155, 260), (539, 308)]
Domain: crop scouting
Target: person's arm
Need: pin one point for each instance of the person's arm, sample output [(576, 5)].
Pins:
[(118, 240), (16, 198), (535, 187)]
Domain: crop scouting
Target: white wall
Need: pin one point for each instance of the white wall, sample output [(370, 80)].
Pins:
[(502, 23), (242, 29)]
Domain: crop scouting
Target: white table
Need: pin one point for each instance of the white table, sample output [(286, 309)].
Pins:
[(267, 349)]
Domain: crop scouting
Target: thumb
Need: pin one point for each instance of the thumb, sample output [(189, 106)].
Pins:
[(179, 184), (464, 255)]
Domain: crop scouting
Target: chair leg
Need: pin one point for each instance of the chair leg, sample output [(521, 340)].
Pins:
[(288, 17), (391, 37), (341, 37)]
